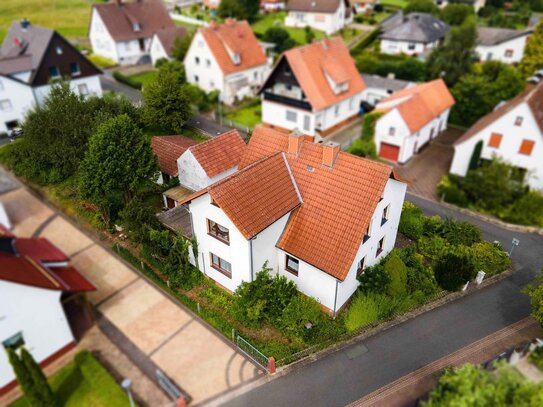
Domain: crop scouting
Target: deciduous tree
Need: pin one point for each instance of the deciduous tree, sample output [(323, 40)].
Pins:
[(532, 60)]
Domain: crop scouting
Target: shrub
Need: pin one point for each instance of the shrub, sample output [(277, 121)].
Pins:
[(420, 278), (411, 221), (450, 192), (364, 311), (432, 225), (374, 279), (138, 218), (528, 210), (536, 357), (453, 270), (300, 311), (397, 271), (489, 257), (433, 246), (363, 148), (127, 80), (460, 233)]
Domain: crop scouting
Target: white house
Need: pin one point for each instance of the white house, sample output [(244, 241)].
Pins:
[(477, 4), (501, 44), (167, 150), (512, 132), (380, 87), (227, 58), (163, 41), (31, 59), (363, 6), (329, 16), (122, 31), (316, 215), (315, 89), (412, 118), (270, 6), (37, 286), (412, 34)]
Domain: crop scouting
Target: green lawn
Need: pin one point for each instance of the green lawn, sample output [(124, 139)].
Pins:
[(84, 383), (394, 3), (249, 116), (145, 77), (349, 34), (69, 17), (278, 20)]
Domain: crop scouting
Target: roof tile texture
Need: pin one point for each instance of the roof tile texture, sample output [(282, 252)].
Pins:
[(220, 153), (168, 149)]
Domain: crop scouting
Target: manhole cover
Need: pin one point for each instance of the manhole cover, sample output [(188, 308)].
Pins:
[(356, 351)]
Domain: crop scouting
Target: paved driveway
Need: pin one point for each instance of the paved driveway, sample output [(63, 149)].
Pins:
[(148, 325), (426, 168)]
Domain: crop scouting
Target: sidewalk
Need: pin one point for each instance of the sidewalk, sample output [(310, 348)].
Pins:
[(406, 390)]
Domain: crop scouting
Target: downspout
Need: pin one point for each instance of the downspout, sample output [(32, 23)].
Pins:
[(251, 257), (335, 300)]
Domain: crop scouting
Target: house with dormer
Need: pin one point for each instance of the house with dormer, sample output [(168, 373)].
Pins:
[(313, 213), (32, 59), (123, 31), (315, 89), (227, 58)]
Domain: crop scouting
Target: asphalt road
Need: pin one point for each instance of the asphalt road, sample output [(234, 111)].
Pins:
[(336, 380)]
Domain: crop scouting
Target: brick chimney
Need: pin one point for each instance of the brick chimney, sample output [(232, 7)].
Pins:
[(330, 151), (295, 140)]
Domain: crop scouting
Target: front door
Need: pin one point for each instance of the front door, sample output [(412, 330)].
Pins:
[(142, 44)]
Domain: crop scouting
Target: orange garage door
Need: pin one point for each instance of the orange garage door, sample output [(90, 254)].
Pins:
[(389, 152)]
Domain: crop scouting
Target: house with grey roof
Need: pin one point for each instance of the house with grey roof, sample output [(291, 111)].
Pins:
[(32, 58), (329, 16), (379, 87), (501, 44), (412, 34)]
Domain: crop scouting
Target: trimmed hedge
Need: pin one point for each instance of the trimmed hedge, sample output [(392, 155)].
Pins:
[(127, 80)]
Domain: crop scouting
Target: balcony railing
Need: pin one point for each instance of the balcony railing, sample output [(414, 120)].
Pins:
[(300, 104)]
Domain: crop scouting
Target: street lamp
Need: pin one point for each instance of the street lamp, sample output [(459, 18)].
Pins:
[(514, 244), (127, 385)]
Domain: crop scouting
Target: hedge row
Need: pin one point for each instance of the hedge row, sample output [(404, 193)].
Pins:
[(127, 80)]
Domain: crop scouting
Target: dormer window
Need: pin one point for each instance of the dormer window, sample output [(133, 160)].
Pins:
[(236, 59), (518, 121), (136, 27)]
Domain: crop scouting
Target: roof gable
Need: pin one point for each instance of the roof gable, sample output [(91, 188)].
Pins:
[(168, 35), (168, 149), (488, 36)]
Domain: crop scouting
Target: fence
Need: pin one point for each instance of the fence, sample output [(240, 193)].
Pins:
[(258, 357), (187, 19)]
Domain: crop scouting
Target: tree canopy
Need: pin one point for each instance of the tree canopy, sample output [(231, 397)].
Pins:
[(532, 60), (239, 9), (422, 6), (457, 13), (280, 37)]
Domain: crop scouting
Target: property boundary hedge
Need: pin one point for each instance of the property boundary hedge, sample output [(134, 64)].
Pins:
[(127, 80)]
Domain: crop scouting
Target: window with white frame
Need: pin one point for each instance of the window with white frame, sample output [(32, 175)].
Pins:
[(386, 213), (292, 265), (197, 60), (361, 266), (208, 63), (218, 232), (367, 234), (292, 116), (391, 131), (221, 265), (83, 89), (5, 105)]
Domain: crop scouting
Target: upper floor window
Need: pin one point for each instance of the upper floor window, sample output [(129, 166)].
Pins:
[(526, 147), (5, 105), (292, 116), (236, 58), (218, 231), (518, 121), (386, 213), (336, 110), (495, 140), (367, 234), (292, 265), (380, 246), (508, 53), (197, 60), (75, 69), (54, 72), (391, 131), (221, 265), (208, 63), (361, 266), (58, 50)]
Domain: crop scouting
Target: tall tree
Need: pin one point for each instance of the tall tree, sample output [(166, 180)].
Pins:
[(422, 6), (457, 13), (167, 104), (41, 385), (23, 378), (280, 37), (118, 161), (532, 60), (181, 46), (453, 58), (239, 9)]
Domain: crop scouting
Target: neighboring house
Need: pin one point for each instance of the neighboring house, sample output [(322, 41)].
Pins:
[(227, 58), (379, 87), (212, 4), (315, 89), (363, 6), (512, 132), (312, 213), (31, 59), (477, 4), (122, 31), (412, 34), (270, 6), (501, 44), (163, 42), (168, 149), (42, 302), (329, 16), (412, 118)]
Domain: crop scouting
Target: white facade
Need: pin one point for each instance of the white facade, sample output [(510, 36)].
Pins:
[(247, 257), (203, 70), (513, 136), (393, 47), (17, 98), (157, 50), (310, 122), (392, 129), (122, 52), (509, 52), (37, 314), (330, 23), (193, 176)]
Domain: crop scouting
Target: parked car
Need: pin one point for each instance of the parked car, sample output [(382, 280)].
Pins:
[(15, 133)]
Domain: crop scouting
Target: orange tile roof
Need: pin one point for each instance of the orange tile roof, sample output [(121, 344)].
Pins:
[(309, 64), (420, 104), (258, 195), (234, 37), (338, 203), (168, 149), (220, 153)]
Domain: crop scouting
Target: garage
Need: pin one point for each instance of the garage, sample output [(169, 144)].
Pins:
[(389, 152)]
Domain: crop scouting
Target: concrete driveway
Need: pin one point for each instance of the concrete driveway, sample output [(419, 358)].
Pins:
[(426, 168), (147, 325)]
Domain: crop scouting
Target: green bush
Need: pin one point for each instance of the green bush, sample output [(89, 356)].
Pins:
[(536, 357), (489, 257), (364, 311), (528, 210), (420, 278), (300, 311), (397, 271), (460, 233), (127, 80), (411, 221), (432, 225), (449, 190), (363, 148), (433, 246), (453, 270), (374, 279)]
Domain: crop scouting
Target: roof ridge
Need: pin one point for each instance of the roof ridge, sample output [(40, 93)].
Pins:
[(292, 176)]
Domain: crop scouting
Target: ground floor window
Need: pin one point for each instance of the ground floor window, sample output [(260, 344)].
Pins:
[(380, 246), (221, 265), (14, 342), (292, 265), (361, 266)]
